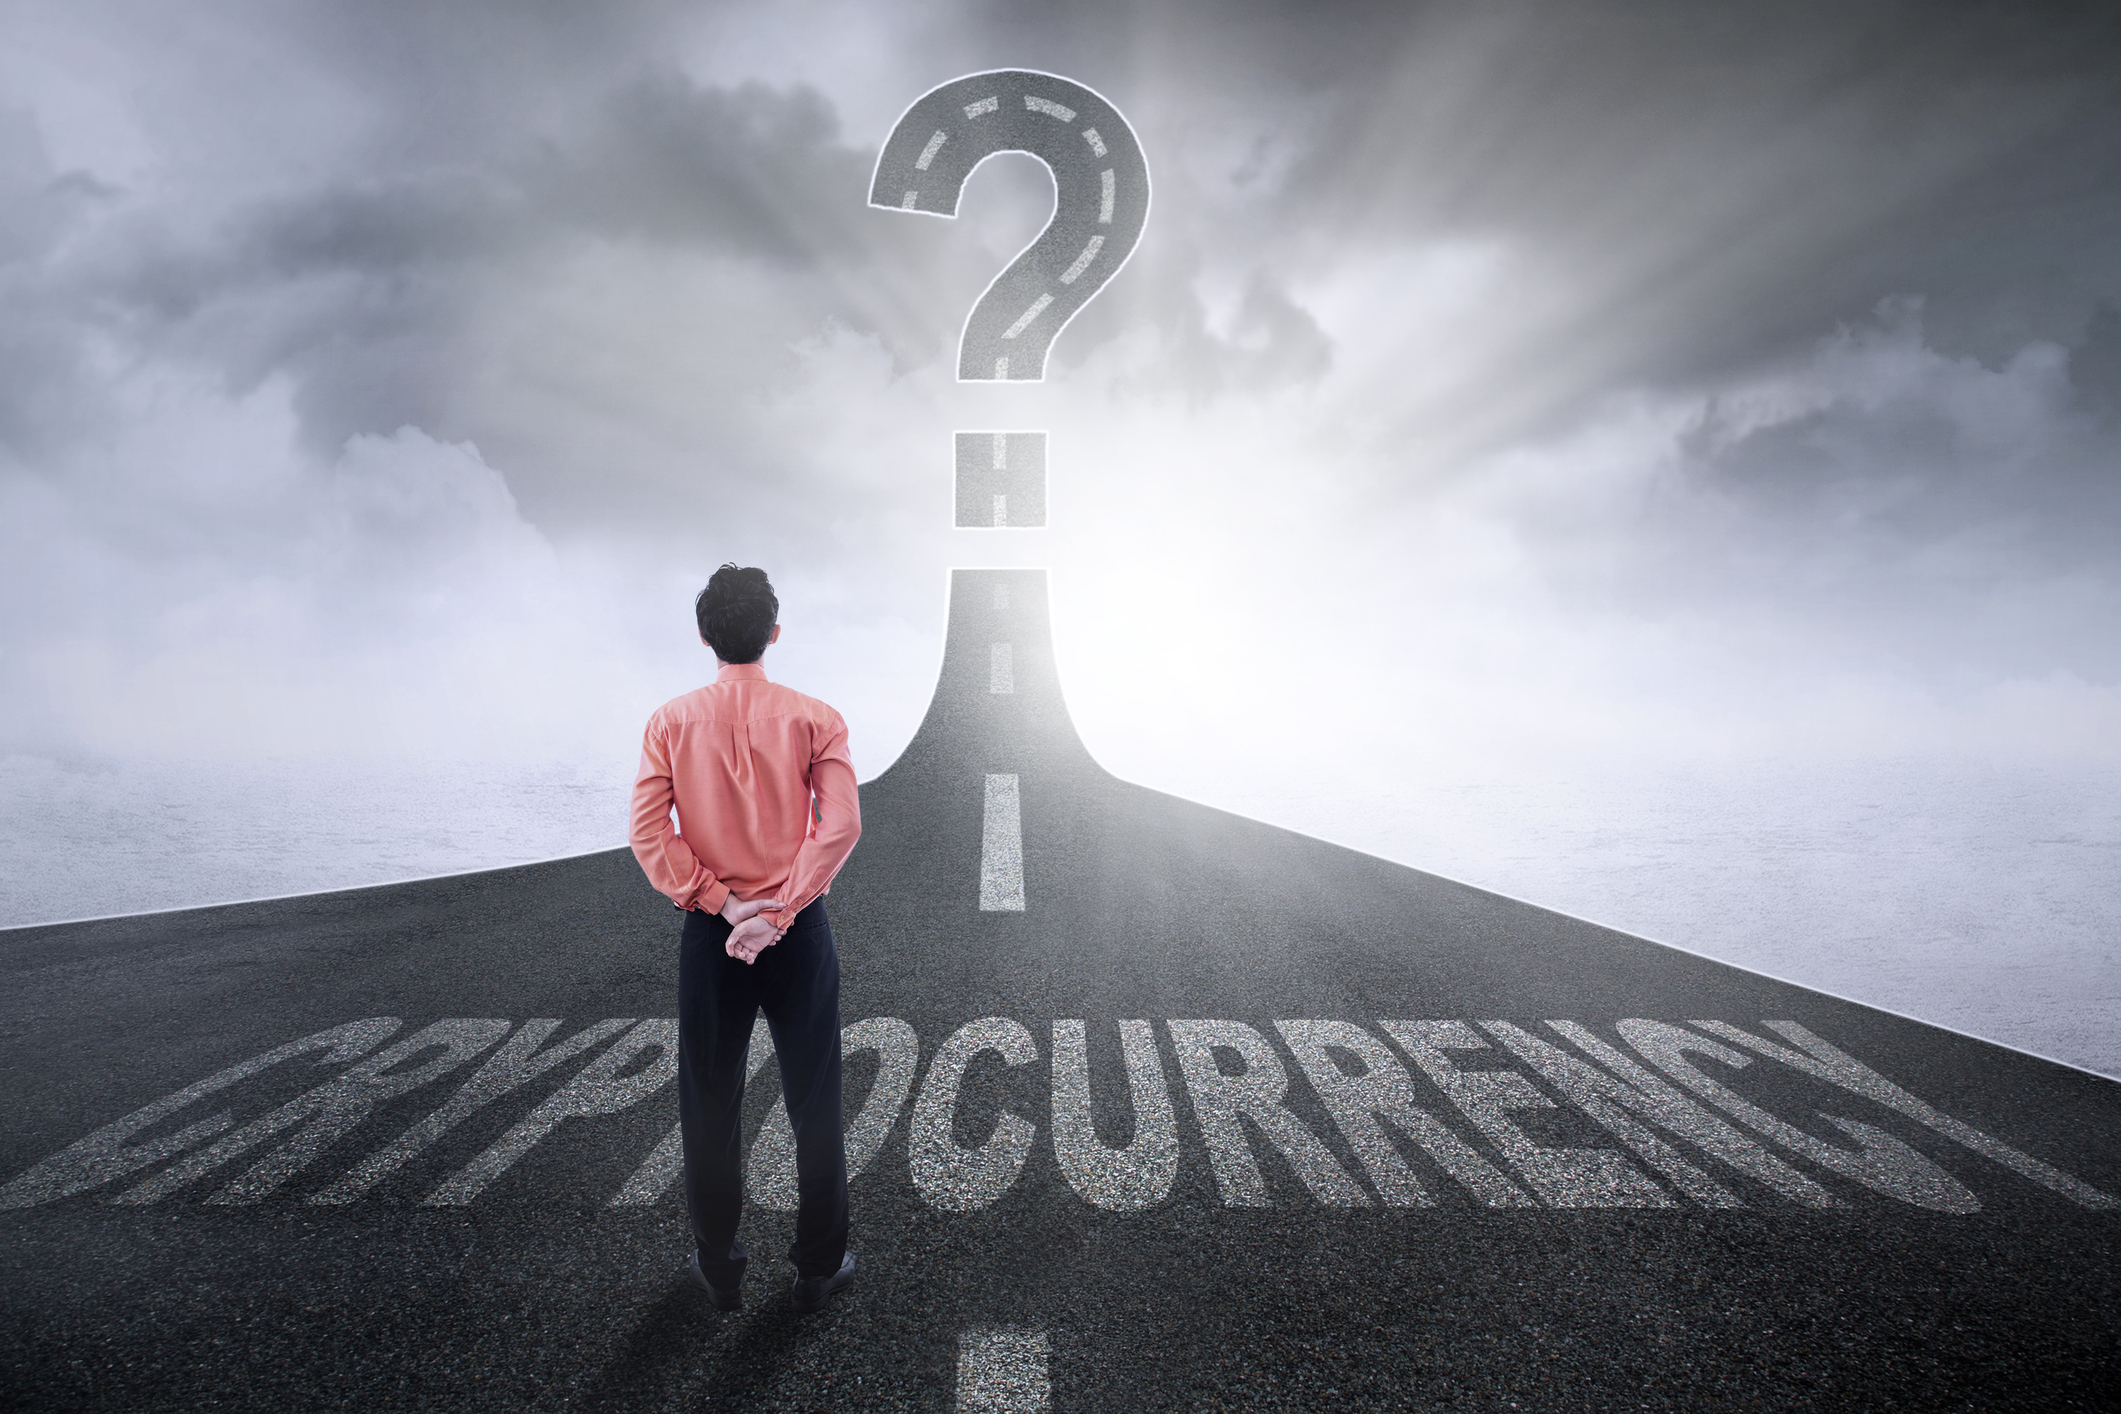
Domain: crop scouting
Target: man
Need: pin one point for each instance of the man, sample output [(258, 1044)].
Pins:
[(767, 814)]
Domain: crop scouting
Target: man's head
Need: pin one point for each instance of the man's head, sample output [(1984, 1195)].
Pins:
[(737, 613)]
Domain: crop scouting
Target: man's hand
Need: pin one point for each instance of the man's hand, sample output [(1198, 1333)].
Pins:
[(752, 937), (736, 910), (749, 934)]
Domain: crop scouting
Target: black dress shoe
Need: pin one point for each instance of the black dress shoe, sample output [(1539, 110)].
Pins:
[(811, 1293), (730, 1300)]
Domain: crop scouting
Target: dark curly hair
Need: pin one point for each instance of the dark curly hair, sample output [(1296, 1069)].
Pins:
[(737, 611)]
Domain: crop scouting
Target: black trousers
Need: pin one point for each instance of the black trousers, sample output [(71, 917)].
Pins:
[(796, 982)]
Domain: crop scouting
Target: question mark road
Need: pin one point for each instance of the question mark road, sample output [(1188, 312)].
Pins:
[(1101, 205), (1154, 1107), (1101, 201)]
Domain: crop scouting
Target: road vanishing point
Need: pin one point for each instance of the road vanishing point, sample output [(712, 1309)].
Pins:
[(1150, 1107)]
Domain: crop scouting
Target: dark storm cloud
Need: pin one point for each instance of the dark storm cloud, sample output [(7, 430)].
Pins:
[(1723, 181), (1726, 180), (357, 285), (2095, 364), (46, 390), (1686, 193), (753, 171), (497, 145)]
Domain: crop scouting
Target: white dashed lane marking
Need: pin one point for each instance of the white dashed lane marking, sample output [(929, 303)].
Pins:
[(1023, 321), (1001, 675), (998, 480), (1001, 849), (935, 145), (1082, 262), (1046, 105), (989, 104)]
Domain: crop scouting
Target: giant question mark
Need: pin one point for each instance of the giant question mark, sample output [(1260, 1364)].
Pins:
[(1101, 203)]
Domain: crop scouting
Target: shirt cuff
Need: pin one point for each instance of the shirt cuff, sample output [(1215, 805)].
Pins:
[(782, 917), (711, 898)]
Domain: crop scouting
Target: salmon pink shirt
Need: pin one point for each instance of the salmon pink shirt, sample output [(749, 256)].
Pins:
[(764, 792)]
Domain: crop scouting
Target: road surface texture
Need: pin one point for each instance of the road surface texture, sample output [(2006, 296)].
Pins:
[(1154, 1107)]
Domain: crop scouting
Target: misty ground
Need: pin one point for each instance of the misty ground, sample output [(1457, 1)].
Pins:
[(1975, 895)]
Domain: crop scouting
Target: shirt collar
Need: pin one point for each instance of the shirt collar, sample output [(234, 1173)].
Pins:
[(741, 672)]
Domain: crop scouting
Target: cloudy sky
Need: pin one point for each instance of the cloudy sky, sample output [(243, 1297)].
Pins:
[(1498, 387)]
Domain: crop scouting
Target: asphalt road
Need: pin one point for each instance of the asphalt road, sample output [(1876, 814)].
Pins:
[(1613, 1176)]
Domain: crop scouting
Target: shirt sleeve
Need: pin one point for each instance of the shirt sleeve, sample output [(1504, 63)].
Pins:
[(665, 858), (836, 822)]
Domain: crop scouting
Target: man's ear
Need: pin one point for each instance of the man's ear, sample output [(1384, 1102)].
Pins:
[(775, 636)]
